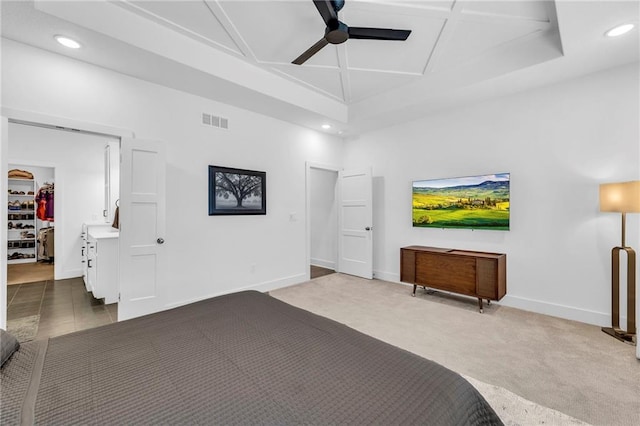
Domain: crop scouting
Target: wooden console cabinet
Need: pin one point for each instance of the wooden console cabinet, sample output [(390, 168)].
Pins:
[(471, 273)]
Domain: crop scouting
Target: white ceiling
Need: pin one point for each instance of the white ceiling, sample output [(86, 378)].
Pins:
[(240, 52)]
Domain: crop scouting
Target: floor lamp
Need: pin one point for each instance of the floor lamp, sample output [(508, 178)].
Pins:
[(623, 197)]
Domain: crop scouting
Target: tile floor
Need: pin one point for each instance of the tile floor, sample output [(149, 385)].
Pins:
[(64, 306)]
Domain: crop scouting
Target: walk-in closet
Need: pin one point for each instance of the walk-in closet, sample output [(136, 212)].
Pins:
[(30, 223)]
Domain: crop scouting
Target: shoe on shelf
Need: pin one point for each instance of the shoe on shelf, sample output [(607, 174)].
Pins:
[(10, 225)]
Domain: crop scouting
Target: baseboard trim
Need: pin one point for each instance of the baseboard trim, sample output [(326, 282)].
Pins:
[(262, 287), (387, 276), (69, 273), (601, 319), (557, 310), (323, 263)]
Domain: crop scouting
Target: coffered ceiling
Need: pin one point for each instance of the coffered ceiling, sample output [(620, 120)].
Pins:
[(270, 34), (240, 52)]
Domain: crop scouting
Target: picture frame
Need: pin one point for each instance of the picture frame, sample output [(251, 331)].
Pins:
[(237, 191), (467, 202)]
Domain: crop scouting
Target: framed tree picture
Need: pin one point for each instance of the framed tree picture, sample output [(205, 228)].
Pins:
[(236, 191)]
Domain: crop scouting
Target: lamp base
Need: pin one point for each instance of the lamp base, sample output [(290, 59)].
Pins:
[(621, 335)]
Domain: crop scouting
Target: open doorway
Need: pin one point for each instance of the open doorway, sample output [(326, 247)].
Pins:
[(323, 220), (70, 167), (30, 224)]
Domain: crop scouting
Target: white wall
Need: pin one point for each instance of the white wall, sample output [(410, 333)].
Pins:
[(559, 143), (323, 217), (78, 160), (207, 255), (114, 180)]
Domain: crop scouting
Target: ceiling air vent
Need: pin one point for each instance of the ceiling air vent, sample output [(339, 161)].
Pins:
[(215, 121)]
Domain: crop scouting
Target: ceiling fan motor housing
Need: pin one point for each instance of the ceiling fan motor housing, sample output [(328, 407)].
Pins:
[(337, 4), (336, 34)]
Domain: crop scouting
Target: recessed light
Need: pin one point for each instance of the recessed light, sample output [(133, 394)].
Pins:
[(619, 30), (326, 126), (67, 42)]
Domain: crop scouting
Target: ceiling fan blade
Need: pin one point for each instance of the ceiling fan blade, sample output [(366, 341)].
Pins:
[(326, 10), (310, 52), (378, 33)]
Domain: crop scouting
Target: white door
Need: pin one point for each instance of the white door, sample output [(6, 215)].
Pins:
[(356, 218), (142, 227)]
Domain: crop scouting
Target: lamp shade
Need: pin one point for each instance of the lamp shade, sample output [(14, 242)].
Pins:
[(622, 197)]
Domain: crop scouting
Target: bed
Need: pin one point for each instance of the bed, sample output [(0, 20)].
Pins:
[(242, 358)]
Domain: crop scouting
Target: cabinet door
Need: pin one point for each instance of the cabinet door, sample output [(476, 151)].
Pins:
[(446, 272), (487, 278), (91, 266), (83, 256), (407, 266)]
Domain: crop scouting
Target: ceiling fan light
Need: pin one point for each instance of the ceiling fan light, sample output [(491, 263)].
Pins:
[(619, 30), (67, 42)]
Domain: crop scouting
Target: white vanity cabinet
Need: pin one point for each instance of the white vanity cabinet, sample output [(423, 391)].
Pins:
[(101, 264)]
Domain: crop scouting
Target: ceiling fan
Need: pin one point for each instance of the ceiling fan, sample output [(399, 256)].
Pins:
[(338, 32)]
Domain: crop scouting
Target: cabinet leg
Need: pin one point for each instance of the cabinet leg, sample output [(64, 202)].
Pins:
[(480, 305), (414, 290), (488, 301)]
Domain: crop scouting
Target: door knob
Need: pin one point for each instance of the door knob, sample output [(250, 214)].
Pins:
[(160, 240), (368, 228)]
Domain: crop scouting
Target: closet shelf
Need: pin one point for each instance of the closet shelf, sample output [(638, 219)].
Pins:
[(19, 249)]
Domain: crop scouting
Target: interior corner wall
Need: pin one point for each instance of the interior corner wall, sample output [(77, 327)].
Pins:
[(207, 255), (114, 180), (78, 159), (559, 143)]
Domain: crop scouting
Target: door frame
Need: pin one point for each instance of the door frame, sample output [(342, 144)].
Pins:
[(326, 167), (9, 115)]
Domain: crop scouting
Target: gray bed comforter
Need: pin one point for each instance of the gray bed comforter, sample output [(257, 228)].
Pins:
[(243, 358)]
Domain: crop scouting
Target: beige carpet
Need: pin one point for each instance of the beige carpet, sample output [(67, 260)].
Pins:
[(522, 357), (22, 273)]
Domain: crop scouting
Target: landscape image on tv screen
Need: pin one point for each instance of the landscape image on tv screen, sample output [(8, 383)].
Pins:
[(476, 202)]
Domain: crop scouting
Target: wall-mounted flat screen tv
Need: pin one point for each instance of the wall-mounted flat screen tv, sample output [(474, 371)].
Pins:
[(472, 202)]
